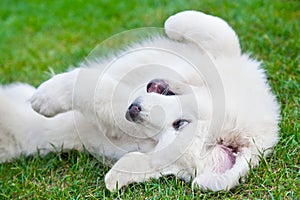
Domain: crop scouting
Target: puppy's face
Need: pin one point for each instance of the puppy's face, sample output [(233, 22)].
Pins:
[(169, 107), (177, 116)]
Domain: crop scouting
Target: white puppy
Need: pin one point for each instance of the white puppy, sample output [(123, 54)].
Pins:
[(188, 104)]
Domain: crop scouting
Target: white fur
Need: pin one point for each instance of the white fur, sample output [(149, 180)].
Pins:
[(87, 107)]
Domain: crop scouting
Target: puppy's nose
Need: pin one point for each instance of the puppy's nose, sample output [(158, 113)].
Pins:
[(133, 112)]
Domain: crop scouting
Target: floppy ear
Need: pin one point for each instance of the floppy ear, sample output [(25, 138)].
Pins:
[(223, 176), (211, 33)]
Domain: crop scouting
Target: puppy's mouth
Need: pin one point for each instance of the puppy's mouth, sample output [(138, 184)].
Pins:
[(135, 112), (159, 86)]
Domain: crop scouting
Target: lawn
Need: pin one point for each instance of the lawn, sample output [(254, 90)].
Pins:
[(36, 35)]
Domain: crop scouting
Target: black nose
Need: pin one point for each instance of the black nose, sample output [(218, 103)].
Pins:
[(133, 112)]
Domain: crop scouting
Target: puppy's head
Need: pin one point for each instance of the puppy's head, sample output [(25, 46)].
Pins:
[(181, 117), (169, 107)]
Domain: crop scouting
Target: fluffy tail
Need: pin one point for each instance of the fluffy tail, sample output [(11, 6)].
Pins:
[(23, 131)]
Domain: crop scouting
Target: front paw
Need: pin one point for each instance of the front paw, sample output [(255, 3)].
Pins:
[(215, 182), (115, 180), (181, 25), (132, 167), (52, 97)]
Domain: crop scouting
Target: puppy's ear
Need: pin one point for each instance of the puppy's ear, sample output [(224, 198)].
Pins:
[(221, 173)]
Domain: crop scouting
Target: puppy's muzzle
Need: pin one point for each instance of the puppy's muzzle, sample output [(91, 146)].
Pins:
[(133, 112)]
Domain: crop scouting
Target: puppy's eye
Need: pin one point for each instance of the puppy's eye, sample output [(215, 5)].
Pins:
[(180, 123)]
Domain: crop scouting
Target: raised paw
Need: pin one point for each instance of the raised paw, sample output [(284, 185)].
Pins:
[(211, 33), (52, 97)]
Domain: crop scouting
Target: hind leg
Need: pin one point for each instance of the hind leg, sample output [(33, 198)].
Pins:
[(212, 33), (55, 95)]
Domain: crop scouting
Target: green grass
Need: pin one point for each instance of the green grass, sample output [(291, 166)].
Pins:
[(35, 35)]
